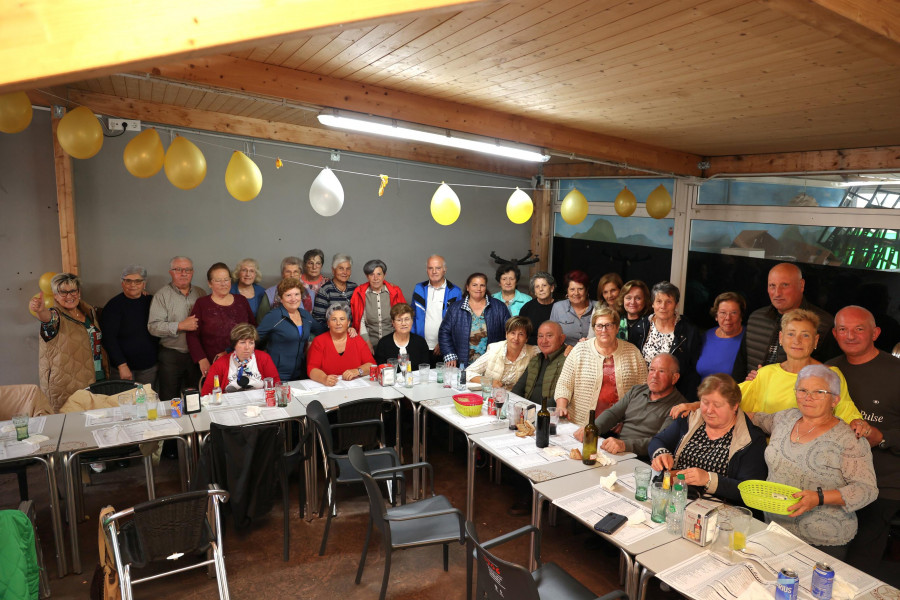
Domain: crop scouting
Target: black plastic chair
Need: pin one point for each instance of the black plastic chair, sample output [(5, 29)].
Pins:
[(109, 387), (168, 529), (291, 462), (498, 579), (338, 470), (430, 521)]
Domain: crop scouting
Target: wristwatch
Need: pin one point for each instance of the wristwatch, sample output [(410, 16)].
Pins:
[(360, 371), (883, 444)]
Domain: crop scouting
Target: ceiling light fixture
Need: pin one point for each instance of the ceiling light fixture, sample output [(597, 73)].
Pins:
[(432, 135)]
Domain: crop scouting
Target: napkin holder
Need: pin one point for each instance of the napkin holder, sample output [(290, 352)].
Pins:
[(700, 520)]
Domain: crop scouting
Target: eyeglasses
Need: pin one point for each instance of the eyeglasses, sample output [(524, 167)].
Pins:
[(602, 326), (220, 281), (183, 271), (132, 281), (404, 320), (65, 293), (814, 394)]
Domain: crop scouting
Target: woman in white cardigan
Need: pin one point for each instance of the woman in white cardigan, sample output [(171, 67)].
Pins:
[(598, 371)]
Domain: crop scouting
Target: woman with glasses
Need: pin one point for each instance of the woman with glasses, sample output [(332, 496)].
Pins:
[(312, 277), (71, 355), (131, 348), (402, 316), (812, 449), (724, 348), (598, 371), (246, 278), (217, 314)]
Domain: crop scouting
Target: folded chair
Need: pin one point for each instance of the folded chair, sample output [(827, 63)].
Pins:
[(363, 425), (430, 521), (168, 529), (498, 579)]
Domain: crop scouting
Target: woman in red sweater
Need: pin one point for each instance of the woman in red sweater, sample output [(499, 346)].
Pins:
[(335, 354), (243, 369)]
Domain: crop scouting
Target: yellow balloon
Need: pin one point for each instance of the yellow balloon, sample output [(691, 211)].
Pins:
[(625, 202), (574, 207), (144, 155), (659, 203), (185, 164), (33, 314), (49, 302), (79, 133), (15, 112), (44, 283), (445, 205), (242, 177), (519, 207)]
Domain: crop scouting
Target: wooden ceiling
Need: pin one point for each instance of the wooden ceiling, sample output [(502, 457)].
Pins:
[(660, 84)]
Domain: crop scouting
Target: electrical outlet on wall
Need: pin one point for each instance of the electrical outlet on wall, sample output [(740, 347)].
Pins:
[(120, 124)]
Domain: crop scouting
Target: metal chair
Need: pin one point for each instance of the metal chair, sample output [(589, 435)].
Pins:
[(499, 579), (168, 529), (430, 521), (338, 470)]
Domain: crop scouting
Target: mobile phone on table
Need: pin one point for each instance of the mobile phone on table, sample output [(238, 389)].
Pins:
[(610, 523)]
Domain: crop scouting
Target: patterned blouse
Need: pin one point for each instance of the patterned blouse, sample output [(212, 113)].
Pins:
[(656, 343), (706, 454), (478, 337)]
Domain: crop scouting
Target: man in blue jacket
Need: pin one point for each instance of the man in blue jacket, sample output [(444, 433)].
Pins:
[(430, 300)]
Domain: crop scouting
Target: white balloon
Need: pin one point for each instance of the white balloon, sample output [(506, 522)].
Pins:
[(326, 194)]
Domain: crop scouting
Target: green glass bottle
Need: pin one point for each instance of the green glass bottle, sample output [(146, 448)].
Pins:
[(542, 435), (590, 441)]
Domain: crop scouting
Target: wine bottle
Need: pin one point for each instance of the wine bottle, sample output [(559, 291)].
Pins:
[(589, 450), (542, 433)]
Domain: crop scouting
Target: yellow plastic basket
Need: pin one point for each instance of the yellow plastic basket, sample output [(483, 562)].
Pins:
[(768, 496), (468, 405)]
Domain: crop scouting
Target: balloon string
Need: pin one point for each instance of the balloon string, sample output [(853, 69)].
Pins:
[(283, 161)]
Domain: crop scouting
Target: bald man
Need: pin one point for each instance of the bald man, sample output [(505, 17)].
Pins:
[(540, 376), (430, 300), (785, 287), (873, 380)]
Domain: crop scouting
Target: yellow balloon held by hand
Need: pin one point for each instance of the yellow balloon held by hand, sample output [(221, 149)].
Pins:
[(79, 133), (519, 207), (242, 177), (185, 164), (574, 207), (15, 112), (44, 283), (445, 205), (144, 155)]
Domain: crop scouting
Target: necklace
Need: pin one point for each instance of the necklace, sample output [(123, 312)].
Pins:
[(800, 435)]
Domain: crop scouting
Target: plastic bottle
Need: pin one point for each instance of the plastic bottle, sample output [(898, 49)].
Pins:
[(402, 361), (409, 374), (675, 511), (140, 402), (462, 377), (217, 392)]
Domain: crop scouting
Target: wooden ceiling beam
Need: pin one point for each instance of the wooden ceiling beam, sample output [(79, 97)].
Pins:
[(46, 42), (231, 73), (179, 116), (872, 26), (855, 159)]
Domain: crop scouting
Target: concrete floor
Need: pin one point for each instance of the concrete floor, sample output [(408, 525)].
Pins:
[(254, 562)]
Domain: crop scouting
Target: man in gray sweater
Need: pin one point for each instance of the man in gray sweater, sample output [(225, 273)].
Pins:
[(643, 411)]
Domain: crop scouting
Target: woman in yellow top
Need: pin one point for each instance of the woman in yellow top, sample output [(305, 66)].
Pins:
[(772, 389)]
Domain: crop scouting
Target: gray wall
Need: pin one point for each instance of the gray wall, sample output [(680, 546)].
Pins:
[(29, 241), (122, 219)]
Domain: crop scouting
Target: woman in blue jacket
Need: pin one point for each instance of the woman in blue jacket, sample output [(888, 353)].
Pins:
[(286, 329), (469, 326)]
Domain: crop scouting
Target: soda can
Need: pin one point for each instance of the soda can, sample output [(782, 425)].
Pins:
[(822, 581), (786, 585), (175, 408), (373, 371), (491, 407)]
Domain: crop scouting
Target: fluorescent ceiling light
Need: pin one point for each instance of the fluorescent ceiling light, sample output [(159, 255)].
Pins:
[(868, 183), (420, 133)]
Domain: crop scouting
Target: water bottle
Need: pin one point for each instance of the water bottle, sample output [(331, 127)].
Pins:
[(216, 392), (409, 374), (675, 511), (140, 402)]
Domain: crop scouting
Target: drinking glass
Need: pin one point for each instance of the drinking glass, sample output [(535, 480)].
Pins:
[(500, 395), (152, 413), (659, 500), (740, 518), (722, 545), (441, 369), (269, 386), (554, 420), (126, 405), (642, 477), (20, 422), (424, 373), (282, 395)]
